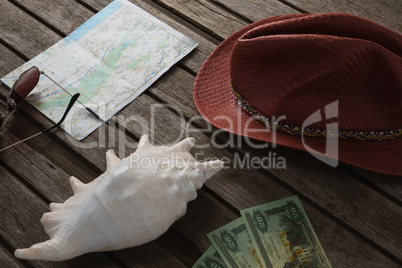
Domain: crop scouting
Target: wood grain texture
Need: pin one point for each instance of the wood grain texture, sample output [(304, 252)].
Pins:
[(7, 259), (386, 184), (297, 175), (354, 220), (148, 255), (52, 182), (387, 13), (98, 4), (18, 227), (23, 32), (344, 196), (187, 97), (255, 10), (249, 185), (218, 22), (63, 15), (8, 61), (54, 185)]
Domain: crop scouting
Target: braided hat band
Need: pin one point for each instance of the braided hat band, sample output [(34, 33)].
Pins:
[(358, 135), (310, 61)]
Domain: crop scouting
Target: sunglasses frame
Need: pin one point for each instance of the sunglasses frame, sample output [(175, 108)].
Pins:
[(32, 76), (13, 104), (69, 106), (14, 98)]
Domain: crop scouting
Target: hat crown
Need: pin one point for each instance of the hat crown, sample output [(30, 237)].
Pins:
[(294, 67)]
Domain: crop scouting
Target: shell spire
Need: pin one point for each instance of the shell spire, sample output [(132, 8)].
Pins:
[(135, 201)]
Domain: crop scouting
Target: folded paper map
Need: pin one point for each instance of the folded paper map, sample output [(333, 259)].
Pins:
[(110, 59), (275, 235)]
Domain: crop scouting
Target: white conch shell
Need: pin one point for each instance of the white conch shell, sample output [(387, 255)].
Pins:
[(133, 202)]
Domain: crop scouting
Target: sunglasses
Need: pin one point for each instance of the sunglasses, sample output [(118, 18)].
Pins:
[(21, 88), (24, 85)]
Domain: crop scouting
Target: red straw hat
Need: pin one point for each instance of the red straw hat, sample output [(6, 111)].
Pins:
[(283, 78)]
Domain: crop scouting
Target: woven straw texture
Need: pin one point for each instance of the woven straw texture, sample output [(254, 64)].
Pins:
[(294, 65)]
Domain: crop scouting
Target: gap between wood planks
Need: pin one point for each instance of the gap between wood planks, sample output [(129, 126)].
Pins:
[(35, 191), (38, 18), (295, 7), (351, 170), (187, 69), (374, 184), (293, 191), (189, 20), (8, 251)]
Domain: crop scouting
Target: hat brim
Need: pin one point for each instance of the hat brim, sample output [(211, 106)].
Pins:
[(217, 104)]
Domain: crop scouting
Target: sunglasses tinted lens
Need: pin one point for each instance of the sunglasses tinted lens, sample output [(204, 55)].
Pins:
[(24, 85)]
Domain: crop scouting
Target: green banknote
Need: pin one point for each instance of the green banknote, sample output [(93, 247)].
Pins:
[(283, 236), (233, 243), (210, 259)]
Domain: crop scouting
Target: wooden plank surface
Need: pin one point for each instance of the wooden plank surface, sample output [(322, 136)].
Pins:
[(14, 193), (14, 21), (356, 214), (8, 260), (219, 22), (64, 16), (343, 188), (387, 13), (255, 10)]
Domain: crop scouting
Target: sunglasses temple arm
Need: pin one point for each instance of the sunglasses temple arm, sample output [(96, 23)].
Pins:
[(8, 118), (21, 141), (86, 108), (70, 105)]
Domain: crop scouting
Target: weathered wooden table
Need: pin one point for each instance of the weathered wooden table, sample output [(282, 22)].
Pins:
[(356, 214)]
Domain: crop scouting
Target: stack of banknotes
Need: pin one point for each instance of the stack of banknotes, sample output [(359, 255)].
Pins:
[(276, 234)]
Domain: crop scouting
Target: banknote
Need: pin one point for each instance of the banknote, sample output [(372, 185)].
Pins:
[(210, 259), (233, 243), (283, 236)]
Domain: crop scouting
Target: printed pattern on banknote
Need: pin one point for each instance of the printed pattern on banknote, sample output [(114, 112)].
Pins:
[(283, 235), (234, 244), (210, 259)]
